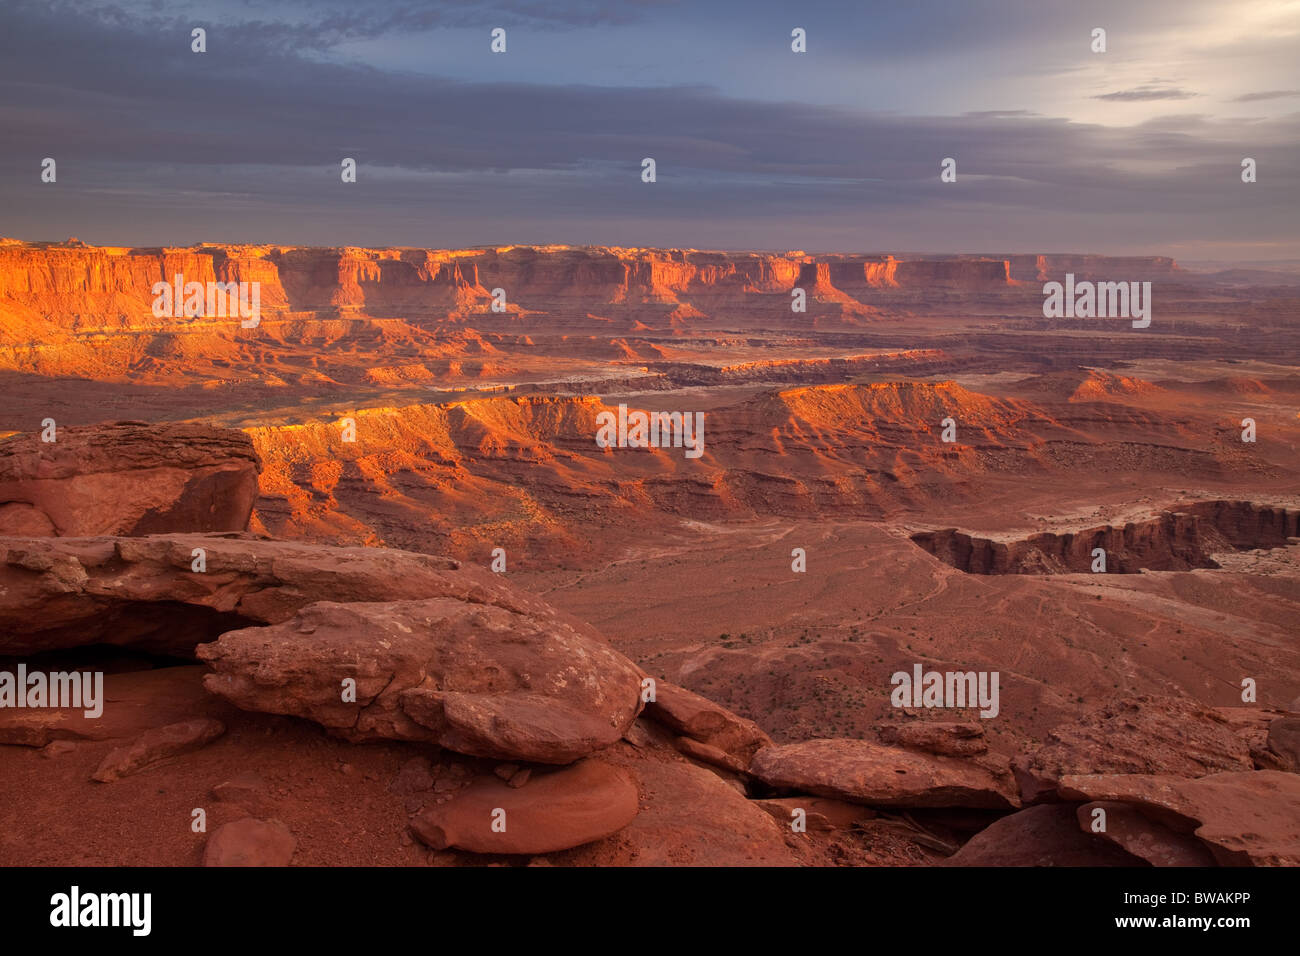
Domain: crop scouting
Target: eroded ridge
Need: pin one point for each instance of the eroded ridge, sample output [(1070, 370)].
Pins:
[(1178, 539)]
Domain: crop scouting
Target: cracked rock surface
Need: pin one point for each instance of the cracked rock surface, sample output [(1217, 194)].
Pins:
[(480, 680)]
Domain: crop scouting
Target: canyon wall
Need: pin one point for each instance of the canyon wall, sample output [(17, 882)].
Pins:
[(1041, 268), (72, 287)]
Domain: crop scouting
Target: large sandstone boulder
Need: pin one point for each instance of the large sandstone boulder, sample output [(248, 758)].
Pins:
[(127, 478), (68, 592), (474, 678), (553, 811), (863, 771), (1249, 818)]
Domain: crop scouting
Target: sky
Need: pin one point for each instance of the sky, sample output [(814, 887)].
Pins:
[(1058, 148)]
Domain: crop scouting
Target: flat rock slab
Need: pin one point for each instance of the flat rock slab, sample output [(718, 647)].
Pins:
[(477, 679), (250, 842), (134, 701), (1247, 818), (863, 771), (1046, 835), (157, 744), (1127, 828), (552, 811), (145, 592)]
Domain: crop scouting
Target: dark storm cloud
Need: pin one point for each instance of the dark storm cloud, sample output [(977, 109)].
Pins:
[(157, 144)]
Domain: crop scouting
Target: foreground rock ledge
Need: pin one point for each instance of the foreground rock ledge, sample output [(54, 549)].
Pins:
[(145, 592), (1046, 835), (1249, 818), (862, 771), (476, 679)]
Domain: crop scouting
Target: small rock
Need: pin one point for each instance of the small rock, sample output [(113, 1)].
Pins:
[(415, 776), (1036, 786), (520, 778), (240, 785), (246, 790), (711, 755), (56, 748), (506, 770), (639, 736), (250, 842), (158, 744), (692, 715)]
